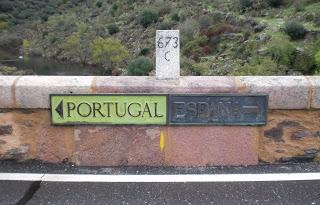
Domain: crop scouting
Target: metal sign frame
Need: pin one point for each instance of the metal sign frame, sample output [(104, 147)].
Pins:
[(265, 116), (168, 109), (108, 94)]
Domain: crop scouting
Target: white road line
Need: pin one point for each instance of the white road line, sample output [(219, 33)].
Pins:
[(160, 178)]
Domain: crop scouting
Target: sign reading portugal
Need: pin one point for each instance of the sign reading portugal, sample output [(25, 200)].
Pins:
[(109, 109)]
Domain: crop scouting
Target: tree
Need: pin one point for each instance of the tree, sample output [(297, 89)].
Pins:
[(78, 44), (26, 47), (108, 52), (317, 59)]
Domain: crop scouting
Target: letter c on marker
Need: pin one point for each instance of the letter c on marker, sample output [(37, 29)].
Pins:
[(165, 56)]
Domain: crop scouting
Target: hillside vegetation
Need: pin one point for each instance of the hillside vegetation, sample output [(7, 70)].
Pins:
[(218, 37)]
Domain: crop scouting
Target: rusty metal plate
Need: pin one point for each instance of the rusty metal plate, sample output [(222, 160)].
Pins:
[(218, 109)]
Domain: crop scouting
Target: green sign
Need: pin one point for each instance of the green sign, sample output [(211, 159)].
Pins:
[(109, 109)]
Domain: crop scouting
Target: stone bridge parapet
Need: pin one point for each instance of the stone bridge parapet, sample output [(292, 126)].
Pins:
[(292, 133)]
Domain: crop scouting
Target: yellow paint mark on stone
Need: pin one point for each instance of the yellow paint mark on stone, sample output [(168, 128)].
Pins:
[(161, 144), (240, 86), (167, 142), (94, 85)]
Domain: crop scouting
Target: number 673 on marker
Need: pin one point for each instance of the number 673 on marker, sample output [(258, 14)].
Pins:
[(167, 54)]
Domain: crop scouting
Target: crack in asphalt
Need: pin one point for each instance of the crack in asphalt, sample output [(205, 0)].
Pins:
[(34, 187)]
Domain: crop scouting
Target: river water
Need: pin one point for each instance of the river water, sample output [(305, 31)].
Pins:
[(43, 66)]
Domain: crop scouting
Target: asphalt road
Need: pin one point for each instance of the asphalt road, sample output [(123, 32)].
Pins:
[(204, 193), (260, 193)]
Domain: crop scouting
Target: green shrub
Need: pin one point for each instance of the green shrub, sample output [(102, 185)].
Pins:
[(205, 21), (245, 4), (145, 51), (140, 66), (3, 25), (189, 29), (148, 17), (175, 16), (178, 15), (303, 62), (186, 66), (313, 46), (99, 4), (299, 6), (113, 28), (44, 17), (295, 30), (10, 40), (8, 70), (316, 20), (281, 50), (162, 7), (114, 8), (317, 60), (193, 46), (4, 17), (49, 10), (25, 14), (164, 26), (201, 69), (275, 3), (6, 6), (259, 66)]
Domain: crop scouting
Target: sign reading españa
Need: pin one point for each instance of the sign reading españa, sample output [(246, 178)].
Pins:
[(109, 109)]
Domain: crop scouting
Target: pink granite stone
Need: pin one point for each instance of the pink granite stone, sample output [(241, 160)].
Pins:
[(214, 145), (117, 146)]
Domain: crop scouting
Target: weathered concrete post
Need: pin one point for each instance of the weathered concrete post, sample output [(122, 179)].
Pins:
[(167, 54)]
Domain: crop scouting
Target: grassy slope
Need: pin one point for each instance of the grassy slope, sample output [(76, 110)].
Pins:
[(228, 49)]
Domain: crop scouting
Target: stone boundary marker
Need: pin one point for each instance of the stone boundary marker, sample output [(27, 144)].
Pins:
[(292, 133), (167, 54)]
